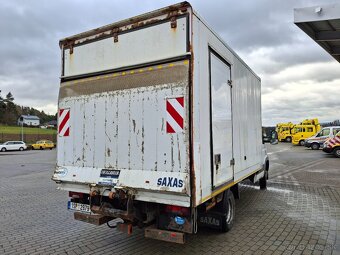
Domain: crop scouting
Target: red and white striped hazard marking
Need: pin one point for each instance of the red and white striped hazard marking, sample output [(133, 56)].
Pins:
[(174, 115), (64, 122), (335, 141)]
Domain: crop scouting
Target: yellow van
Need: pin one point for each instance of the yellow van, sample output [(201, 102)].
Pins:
[(302, 132), (43, 144)]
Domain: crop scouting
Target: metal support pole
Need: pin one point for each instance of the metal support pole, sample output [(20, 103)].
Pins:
[(22, 131)]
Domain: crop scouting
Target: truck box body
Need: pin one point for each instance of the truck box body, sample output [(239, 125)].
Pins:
[(160, 105)]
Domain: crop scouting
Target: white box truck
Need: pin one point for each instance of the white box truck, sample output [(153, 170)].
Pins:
[(159, 120)]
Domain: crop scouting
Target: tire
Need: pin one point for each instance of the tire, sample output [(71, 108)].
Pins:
[(229, 210), (21, 149), (289, 139), (3, 149), (41, 148), (315, 146), (263, 180), (302, 143), (336, 152)]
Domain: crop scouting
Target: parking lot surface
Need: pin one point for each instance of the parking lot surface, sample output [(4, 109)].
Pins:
[(299, 213)]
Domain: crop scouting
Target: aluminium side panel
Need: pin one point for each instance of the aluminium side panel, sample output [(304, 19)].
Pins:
[(246, 113)]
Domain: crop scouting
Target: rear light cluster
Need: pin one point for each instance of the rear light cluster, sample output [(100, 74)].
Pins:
[(178, 210), (75, 194)]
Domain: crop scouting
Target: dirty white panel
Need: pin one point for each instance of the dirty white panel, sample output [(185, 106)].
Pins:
[(164, 141), (89, 132), (136, 136), (150, 138), (123, 141), (99, 129), (111, 131), (78, 135), (68, 141), (124, 127), (144, 45)]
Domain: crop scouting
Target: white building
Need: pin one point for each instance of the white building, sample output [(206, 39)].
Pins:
[(29, 120)]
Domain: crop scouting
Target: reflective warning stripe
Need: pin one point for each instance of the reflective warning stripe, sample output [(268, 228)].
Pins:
[(174, 115), (64, 122)]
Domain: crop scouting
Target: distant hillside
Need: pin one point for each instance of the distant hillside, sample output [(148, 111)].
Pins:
[(10, 112)]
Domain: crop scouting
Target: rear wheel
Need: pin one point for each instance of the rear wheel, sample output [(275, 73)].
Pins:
[(302, 143), (336, 152), (41, 148), (229, 210), (315, 146), (263, 180), (3, 149), (288, 139)]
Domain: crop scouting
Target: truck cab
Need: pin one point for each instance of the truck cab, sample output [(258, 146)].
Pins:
[(285, 131), (302, 132)]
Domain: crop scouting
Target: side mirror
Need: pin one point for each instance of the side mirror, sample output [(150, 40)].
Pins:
[(274, 139)]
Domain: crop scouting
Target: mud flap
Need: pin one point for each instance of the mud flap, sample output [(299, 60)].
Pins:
[(211, 220)]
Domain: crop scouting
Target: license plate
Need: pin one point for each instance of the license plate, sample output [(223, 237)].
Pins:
[(78, 207)]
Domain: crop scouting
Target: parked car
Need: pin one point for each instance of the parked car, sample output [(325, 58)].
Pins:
[(315, 142), (13, 146), (43, 144), (332, 145)]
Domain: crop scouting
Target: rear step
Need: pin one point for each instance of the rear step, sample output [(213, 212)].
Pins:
[(92, 218), (164, 235)]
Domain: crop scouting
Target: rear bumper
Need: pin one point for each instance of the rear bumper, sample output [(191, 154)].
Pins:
[(163, 197), (165, 235)]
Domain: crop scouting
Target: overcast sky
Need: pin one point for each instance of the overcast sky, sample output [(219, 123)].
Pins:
[(299, 79)]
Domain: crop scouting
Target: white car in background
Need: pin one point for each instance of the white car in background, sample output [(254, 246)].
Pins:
[(13, 146)]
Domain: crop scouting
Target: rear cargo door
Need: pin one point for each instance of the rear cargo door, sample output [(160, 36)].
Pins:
[(221, 121), (135, 122)]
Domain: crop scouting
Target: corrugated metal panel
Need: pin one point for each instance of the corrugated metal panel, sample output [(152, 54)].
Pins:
[(125, 128)]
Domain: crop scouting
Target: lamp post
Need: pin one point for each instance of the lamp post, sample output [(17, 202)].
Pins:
[(22, 131), (22, 128)]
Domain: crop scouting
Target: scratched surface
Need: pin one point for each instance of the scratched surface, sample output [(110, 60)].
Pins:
[(121, 125)]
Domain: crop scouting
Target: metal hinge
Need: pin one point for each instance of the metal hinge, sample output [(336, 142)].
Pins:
[(232, 162), (71, 49), (230, 83), (173, 22), (115, 34)]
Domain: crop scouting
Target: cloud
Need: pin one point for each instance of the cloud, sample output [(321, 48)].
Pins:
[(293, 68)]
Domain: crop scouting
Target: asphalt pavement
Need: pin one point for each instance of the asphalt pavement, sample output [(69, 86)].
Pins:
[(299, 213)]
